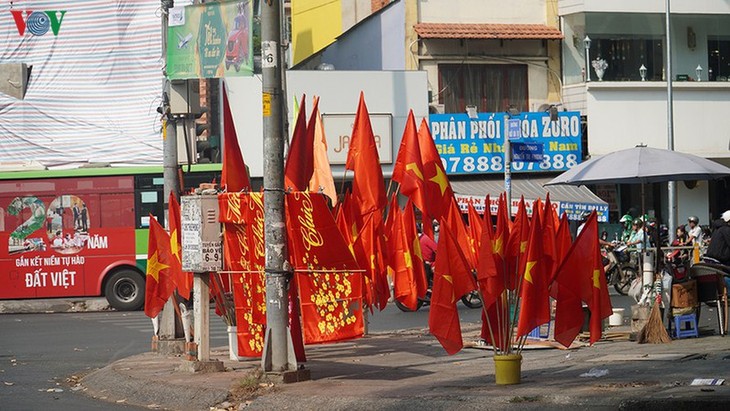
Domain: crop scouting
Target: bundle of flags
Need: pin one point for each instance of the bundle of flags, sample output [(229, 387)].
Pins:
[(347, 250)]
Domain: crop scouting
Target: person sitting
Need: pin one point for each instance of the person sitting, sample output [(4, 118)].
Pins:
[(681, 239), (638, 236), (694, 232), (719, 248), (626, 221)]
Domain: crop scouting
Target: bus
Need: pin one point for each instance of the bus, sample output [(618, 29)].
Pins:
[(82, 232)]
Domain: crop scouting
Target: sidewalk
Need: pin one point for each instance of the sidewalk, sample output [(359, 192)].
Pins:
[(410, 371)]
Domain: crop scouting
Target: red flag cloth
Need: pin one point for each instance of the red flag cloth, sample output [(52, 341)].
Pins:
[(183, 280), (408, 168), (315, 242), (300, 158), (234, 176), (411, 237), (404, 283), (455, 222), (160, 263), (452, 279), (331, 306), (476, 225), (534, 298), (438, 192), (368, 186), (549, 232), (322, 179), (581, 275), (496, 323), (517, 246)]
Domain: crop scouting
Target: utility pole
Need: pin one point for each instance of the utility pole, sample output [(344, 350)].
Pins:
[(169, 164), (278, 353)]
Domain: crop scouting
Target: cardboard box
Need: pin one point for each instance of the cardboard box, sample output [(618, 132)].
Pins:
[(684, 294)]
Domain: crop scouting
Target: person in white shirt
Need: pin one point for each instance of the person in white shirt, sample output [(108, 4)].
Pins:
[(694, 232)]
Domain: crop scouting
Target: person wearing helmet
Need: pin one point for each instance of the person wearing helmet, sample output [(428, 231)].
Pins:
[(583, 218), (719, 248), (626, 222), (638, 235), (694, 231)]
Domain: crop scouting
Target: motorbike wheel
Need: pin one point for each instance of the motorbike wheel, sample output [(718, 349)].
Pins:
[(472, 300), (627, 275), (406, 309)]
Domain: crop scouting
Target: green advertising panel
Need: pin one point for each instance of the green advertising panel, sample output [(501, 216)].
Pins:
[(210, 40)]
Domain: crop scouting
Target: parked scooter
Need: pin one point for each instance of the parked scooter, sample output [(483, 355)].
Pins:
[(471, 300), (621, 271)]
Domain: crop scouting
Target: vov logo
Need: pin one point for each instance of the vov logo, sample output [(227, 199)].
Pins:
[(38, 22)]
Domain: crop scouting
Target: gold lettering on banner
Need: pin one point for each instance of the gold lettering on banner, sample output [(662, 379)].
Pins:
[(310, 235), (233, 211), (257, 226)]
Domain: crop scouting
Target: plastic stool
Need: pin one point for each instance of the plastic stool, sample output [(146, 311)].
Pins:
[(691, 321), (535, 333)]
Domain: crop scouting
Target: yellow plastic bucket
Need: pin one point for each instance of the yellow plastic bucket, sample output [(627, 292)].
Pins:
[(507, 369)]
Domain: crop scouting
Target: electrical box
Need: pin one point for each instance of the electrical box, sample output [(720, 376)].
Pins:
[(202, 247), (185, 97), (14, 79), (187, 153)]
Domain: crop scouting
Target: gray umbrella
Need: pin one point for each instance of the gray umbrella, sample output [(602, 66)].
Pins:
[(642, 164)]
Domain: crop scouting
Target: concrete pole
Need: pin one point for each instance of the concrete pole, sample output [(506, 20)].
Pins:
[(169, 173), (275, 356), (671, 186)]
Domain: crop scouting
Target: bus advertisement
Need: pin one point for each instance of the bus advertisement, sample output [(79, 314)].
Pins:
[(80, 233)]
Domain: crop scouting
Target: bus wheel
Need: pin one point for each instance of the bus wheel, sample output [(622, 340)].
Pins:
[(125, 290)]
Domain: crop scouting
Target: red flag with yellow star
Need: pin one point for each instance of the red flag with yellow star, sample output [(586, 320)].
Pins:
[(411, 237), (438, 192), (517, 246), (581, 276), (183, 280), (160, 262), (368, 186), (452, 279), (535, 301), (408, 168)]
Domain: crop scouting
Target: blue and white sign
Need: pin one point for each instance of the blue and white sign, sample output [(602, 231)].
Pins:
[(513, 129), (475, 146), (528, 152)]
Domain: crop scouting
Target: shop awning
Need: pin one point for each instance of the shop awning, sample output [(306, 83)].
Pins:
[(573, 200), (487, 31)]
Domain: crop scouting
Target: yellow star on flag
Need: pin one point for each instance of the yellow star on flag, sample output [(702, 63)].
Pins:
[(154, 266), (174, 246), (528, 271), (498, 245), (440, 179), (596, 278), (409, 261), (417, 171), (417, 248)]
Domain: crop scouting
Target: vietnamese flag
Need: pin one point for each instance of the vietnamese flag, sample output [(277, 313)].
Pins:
[(402, 262), (234, 176), (476, 225), (408, 168), (300, 158), (582, 278), (368, 186), (411, 237), (535, 301), (160, 263), (517, 246), (451, 280), (322, 179), (183, 280), (438, 192)]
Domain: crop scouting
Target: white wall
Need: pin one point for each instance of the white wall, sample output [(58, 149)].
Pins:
[(482, 11), (643, 6), (621, 115), (386, 92)]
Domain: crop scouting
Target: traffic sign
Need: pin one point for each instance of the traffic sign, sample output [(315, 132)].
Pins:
[(514, 132)]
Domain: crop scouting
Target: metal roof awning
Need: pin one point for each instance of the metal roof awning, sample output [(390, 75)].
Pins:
[(487, 31), (572, 200)]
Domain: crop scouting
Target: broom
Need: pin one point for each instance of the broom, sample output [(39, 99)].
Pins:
[(654, 331)]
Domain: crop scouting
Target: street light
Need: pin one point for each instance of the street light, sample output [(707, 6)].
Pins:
[(642, 72), (587, 44)]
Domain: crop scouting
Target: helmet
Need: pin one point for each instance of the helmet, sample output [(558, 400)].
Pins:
[(726, 216), (626, 218), (584, 216), (693, 219)]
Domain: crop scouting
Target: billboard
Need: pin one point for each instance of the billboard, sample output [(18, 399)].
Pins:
[(210, 40), (475, 145)]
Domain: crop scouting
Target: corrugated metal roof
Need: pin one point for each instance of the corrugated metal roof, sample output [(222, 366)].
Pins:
[(486, 31), (529, 187)]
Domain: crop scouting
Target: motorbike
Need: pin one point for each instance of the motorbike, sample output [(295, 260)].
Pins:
[(620, 271), (471, 300)]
